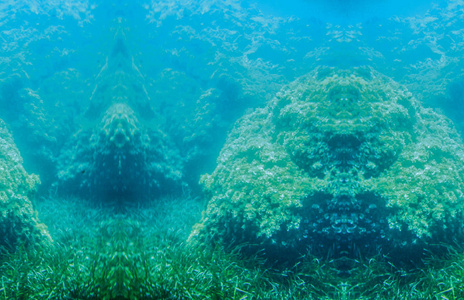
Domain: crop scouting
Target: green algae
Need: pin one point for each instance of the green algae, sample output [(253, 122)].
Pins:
[(121, 151), (339, 158), (19, 224)]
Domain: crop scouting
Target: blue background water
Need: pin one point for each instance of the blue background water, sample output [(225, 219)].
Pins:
[(53, 51), (204, 64)]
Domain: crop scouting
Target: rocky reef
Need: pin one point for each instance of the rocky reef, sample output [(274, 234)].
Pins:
[(121, 150), (19, 224), (339, 162)]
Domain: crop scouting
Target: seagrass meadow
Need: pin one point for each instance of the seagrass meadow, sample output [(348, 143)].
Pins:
[(141, 253), (233, 149)]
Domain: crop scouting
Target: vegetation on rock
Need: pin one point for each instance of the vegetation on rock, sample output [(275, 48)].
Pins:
[(339, 159), (19, 224)]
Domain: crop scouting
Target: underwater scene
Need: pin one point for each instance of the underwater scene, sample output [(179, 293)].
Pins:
[(226, 149)]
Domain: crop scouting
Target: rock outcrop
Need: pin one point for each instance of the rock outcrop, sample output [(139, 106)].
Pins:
[(339, 161), (19, 223)]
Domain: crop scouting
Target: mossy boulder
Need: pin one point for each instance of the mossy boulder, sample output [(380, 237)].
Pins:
[(339, 161), (121, 152), (19, 224), (120, 159)]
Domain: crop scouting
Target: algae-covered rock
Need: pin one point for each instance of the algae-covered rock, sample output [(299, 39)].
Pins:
[(120, 159), (19, 224), (121, 151), (341, 160)]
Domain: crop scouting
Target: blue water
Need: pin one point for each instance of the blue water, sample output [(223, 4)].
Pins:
[(261, 45), (55, 53), (186, 71)]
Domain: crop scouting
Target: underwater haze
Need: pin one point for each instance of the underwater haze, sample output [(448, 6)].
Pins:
[(179, 149)]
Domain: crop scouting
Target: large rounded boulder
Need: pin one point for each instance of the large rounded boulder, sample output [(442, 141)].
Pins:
[(121, 153), (340, 161)]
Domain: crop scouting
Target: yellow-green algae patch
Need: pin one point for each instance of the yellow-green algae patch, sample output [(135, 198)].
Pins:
[(339, 159), (19, 224)]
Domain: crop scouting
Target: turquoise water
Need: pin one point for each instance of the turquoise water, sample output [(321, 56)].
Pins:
[(123, 108)]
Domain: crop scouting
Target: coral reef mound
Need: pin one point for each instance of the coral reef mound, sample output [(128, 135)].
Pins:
[(19, 224), (340, 161)]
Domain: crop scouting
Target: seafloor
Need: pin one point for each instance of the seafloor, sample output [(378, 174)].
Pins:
[(141, 253)]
